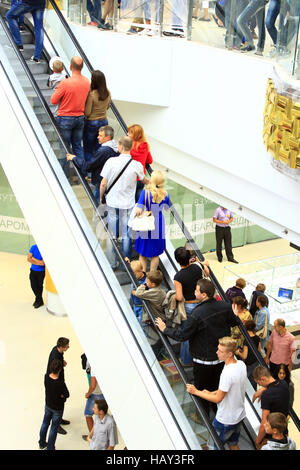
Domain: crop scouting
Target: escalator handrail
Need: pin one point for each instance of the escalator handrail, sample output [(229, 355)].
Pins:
[(127, 267), (177, 218)]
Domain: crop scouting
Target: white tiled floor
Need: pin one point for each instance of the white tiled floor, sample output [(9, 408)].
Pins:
[(26, 338)]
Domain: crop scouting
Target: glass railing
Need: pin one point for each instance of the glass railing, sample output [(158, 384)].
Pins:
[(260, 28), (196, 428)]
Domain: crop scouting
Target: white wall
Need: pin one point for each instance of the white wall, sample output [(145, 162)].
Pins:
[(202, 110)]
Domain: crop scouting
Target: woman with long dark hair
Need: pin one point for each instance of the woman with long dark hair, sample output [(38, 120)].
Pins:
[(96, 106)]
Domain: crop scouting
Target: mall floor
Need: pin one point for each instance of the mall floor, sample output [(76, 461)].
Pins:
[(26, 338)]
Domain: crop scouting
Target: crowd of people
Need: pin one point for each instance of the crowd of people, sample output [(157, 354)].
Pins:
[(244, 21), (192, 314), (206, 326)]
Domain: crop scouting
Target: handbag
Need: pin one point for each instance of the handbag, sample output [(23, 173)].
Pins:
[(144, 222), (262, 333), (204, 275)]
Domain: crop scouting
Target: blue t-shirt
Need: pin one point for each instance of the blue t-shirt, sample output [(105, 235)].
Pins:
[(37, 255)]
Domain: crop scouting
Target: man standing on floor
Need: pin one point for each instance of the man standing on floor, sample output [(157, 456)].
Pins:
[(71, 95), (36, 8), (37, 274), (223, 218), (56, 395), (104, 434), (57, 353)]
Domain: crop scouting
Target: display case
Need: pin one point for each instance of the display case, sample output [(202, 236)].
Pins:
[(280, 275)]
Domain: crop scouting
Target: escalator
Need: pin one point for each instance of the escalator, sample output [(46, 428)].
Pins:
[(29, 81)]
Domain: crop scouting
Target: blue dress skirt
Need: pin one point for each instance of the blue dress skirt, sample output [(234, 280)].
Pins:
[(152, 243)]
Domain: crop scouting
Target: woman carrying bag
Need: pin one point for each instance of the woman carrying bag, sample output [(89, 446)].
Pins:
[(154, 198)]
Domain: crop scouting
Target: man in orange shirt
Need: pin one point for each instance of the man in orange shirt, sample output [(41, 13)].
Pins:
[(71, 95)]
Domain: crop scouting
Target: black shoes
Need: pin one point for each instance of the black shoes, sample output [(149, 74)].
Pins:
[(38, 304), (65, 422), (220, 260), (60, 430), (248, 48), (233, 261)]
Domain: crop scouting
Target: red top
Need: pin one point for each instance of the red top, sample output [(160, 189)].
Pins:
[(141, 154), (72, 92)]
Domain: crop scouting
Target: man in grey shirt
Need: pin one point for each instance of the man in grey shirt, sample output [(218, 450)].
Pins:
[(104, 435)]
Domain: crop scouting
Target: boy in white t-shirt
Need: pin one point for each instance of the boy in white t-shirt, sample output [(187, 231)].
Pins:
[(230, 396)]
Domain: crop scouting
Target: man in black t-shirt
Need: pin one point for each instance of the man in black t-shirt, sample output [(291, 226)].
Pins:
[(57, 353), (56, 395), (274, 396)]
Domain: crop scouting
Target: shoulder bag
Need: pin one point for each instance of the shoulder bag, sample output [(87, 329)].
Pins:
[(144, 222), (262, 333)]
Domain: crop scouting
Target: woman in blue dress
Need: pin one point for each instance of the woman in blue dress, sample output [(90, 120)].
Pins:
[(151, 244)]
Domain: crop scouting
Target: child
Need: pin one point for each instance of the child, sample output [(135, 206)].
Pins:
[(153, 293), (56, 77), (276, 426), (137, 269)]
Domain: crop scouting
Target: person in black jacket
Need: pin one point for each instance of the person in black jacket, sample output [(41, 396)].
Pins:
[(207, 323), (56, 395), (108, 149), (57, 353)]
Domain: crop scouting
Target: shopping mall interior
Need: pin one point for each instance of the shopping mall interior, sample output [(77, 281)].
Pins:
[(223, 125)]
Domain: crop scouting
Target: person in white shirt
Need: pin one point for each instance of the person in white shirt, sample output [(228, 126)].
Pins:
[(120, 199), (230, 396)]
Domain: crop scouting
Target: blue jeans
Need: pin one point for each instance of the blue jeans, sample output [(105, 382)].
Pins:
[(13, 16), (117, 220), (72, 131), (90, 134), (255, 8), (50, 415), (233, 9), (185, 354), (95, 10), (88, 411), (228, 433), (273, 12), (21, 17)]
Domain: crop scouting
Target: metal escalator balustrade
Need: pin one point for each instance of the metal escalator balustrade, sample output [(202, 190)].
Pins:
[(38, 103)]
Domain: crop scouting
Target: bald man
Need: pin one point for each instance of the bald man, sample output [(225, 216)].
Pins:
[(71, 95)]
